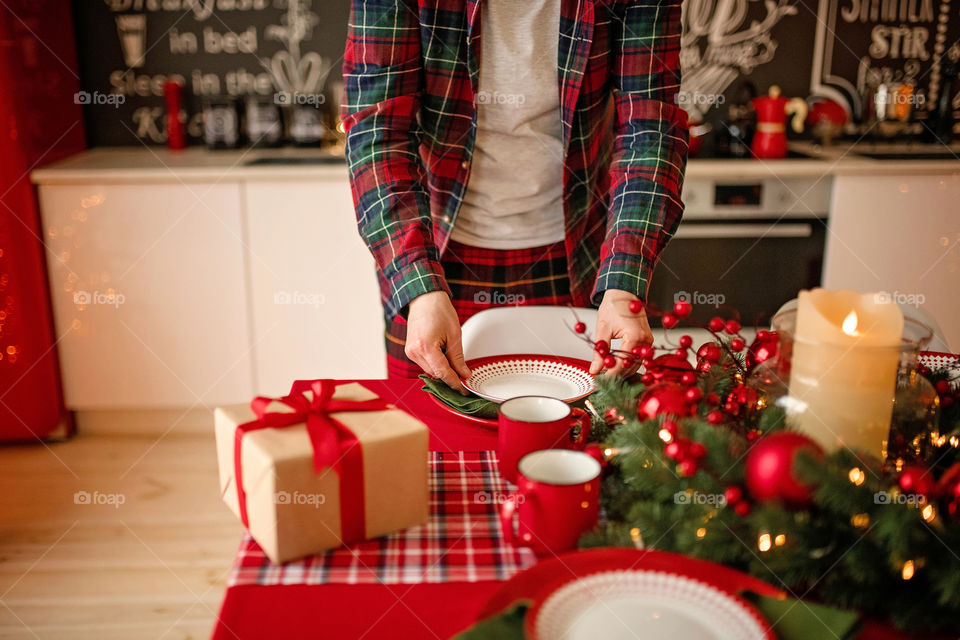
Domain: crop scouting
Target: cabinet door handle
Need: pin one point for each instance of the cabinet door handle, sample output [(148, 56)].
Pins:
[(721, 231)]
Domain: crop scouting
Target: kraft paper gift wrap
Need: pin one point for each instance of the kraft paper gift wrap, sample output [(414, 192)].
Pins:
[(294, 511)]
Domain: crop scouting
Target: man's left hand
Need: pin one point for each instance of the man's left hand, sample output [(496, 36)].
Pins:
[(615, 320)]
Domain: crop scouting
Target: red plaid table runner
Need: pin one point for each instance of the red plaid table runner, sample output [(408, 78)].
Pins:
[(461, 542)]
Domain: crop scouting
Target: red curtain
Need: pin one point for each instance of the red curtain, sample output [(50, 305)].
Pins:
[(39, 122)]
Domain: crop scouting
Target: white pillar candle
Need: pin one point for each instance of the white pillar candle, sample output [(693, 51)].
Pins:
[(844, 368)]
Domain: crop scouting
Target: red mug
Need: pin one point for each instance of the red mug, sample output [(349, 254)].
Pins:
[(557, 500), (531, 423)]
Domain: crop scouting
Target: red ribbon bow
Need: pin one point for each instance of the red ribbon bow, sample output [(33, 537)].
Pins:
[(334, 445)]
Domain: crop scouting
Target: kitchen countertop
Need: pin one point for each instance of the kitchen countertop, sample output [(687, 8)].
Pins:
[(197, 164)]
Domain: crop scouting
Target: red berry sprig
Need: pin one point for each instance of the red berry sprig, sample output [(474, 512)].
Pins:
[(708, 354)]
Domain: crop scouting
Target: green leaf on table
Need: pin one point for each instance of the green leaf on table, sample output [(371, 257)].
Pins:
[(793, 619), (506, 625)]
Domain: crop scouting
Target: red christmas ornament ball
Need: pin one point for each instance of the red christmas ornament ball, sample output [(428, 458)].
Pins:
[(664, 398), (742, 508), (697, 450), (670, 367), (710, 352), (916, 480), (687, 467), (733, 494), (949, 484), (765, 346), (769, 468)]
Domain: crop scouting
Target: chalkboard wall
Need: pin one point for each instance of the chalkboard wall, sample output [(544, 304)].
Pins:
[(836, 48), (129, 48)]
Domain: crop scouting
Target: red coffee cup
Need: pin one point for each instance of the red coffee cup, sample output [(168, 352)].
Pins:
[(557, 499), (531, 423)]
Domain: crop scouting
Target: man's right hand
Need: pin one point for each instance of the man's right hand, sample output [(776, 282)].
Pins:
[(433, 339)]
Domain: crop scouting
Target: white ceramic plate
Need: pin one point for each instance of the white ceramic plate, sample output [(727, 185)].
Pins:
[(500, 378), (652, 605)]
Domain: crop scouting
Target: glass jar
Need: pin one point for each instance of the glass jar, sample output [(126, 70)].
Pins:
[(913, 430)]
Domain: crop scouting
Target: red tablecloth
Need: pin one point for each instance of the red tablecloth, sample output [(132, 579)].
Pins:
[(368, 611)]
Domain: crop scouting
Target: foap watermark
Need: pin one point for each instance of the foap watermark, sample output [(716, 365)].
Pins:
[(898, 297), (297, 98), (495, 97), (299, 297), (498, 298), (695, 497), (697, 99), (97, 498), (897, 497), (110, 298), (97, 98), (496, 497), (883, 99), (700, 297), (299, 498)]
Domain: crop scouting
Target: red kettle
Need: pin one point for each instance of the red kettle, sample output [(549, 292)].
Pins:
[(770, 138)]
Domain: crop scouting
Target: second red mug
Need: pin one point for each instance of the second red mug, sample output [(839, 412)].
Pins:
[(532, 423), (557, 499)]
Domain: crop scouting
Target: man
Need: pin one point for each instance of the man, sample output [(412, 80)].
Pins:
[(512, 151)]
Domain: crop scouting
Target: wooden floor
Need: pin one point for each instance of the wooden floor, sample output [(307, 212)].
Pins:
[(152, 567)]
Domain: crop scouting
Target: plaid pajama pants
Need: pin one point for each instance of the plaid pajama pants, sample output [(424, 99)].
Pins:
[(484, 278)]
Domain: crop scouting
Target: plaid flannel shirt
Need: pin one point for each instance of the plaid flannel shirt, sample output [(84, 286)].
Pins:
[(411, 72)]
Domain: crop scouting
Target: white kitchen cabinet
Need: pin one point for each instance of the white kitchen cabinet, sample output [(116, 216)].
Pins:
[(899, 235), (313, 290), (148, 290)]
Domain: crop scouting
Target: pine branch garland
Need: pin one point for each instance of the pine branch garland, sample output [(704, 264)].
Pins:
[(861, 544)]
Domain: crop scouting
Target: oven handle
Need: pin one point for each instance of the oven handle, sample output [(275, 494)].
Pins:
[(722, 231)]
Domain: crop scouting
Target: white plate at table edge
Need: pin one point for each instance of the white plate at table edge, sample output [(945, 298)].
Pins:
[(560, 604)]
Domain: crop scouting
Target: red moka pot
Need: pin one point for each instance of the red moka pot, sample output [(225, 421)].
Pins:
[(770, 139)]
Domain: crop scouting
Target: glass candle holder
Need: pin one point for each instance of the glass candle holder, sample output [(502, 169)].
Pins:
[(908, 436)]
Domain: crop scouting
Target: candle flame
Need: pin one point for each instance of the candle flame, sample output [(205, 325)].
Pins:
[(850, 324)]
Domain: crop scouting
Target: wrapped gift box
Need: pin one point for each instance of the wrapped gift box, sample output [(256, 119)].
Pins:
[(294, 501)]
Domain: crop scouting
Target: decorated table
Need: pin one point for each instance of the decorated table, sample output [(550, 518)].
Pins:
[(819, 463)]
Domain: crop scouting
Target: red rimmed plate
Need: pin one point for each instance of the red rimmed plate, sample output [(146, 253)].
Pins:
[(547, 578), (500, 378)]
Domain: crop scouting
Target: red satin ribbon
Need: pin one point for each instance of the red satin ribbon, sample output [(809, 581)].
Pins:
[(334, 444)]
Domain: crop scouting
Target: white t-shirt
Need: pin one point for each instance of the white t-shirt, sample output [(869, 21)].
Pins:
[(514, 196)]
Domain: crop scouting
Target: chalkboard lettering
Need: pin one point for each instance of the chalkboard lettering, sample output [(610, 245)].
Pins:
[(871, 11), (201, 9), (229, 42)]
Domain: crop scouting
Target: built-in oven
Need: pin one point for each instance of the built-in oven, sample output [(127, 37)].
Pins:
[(744, 245)]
